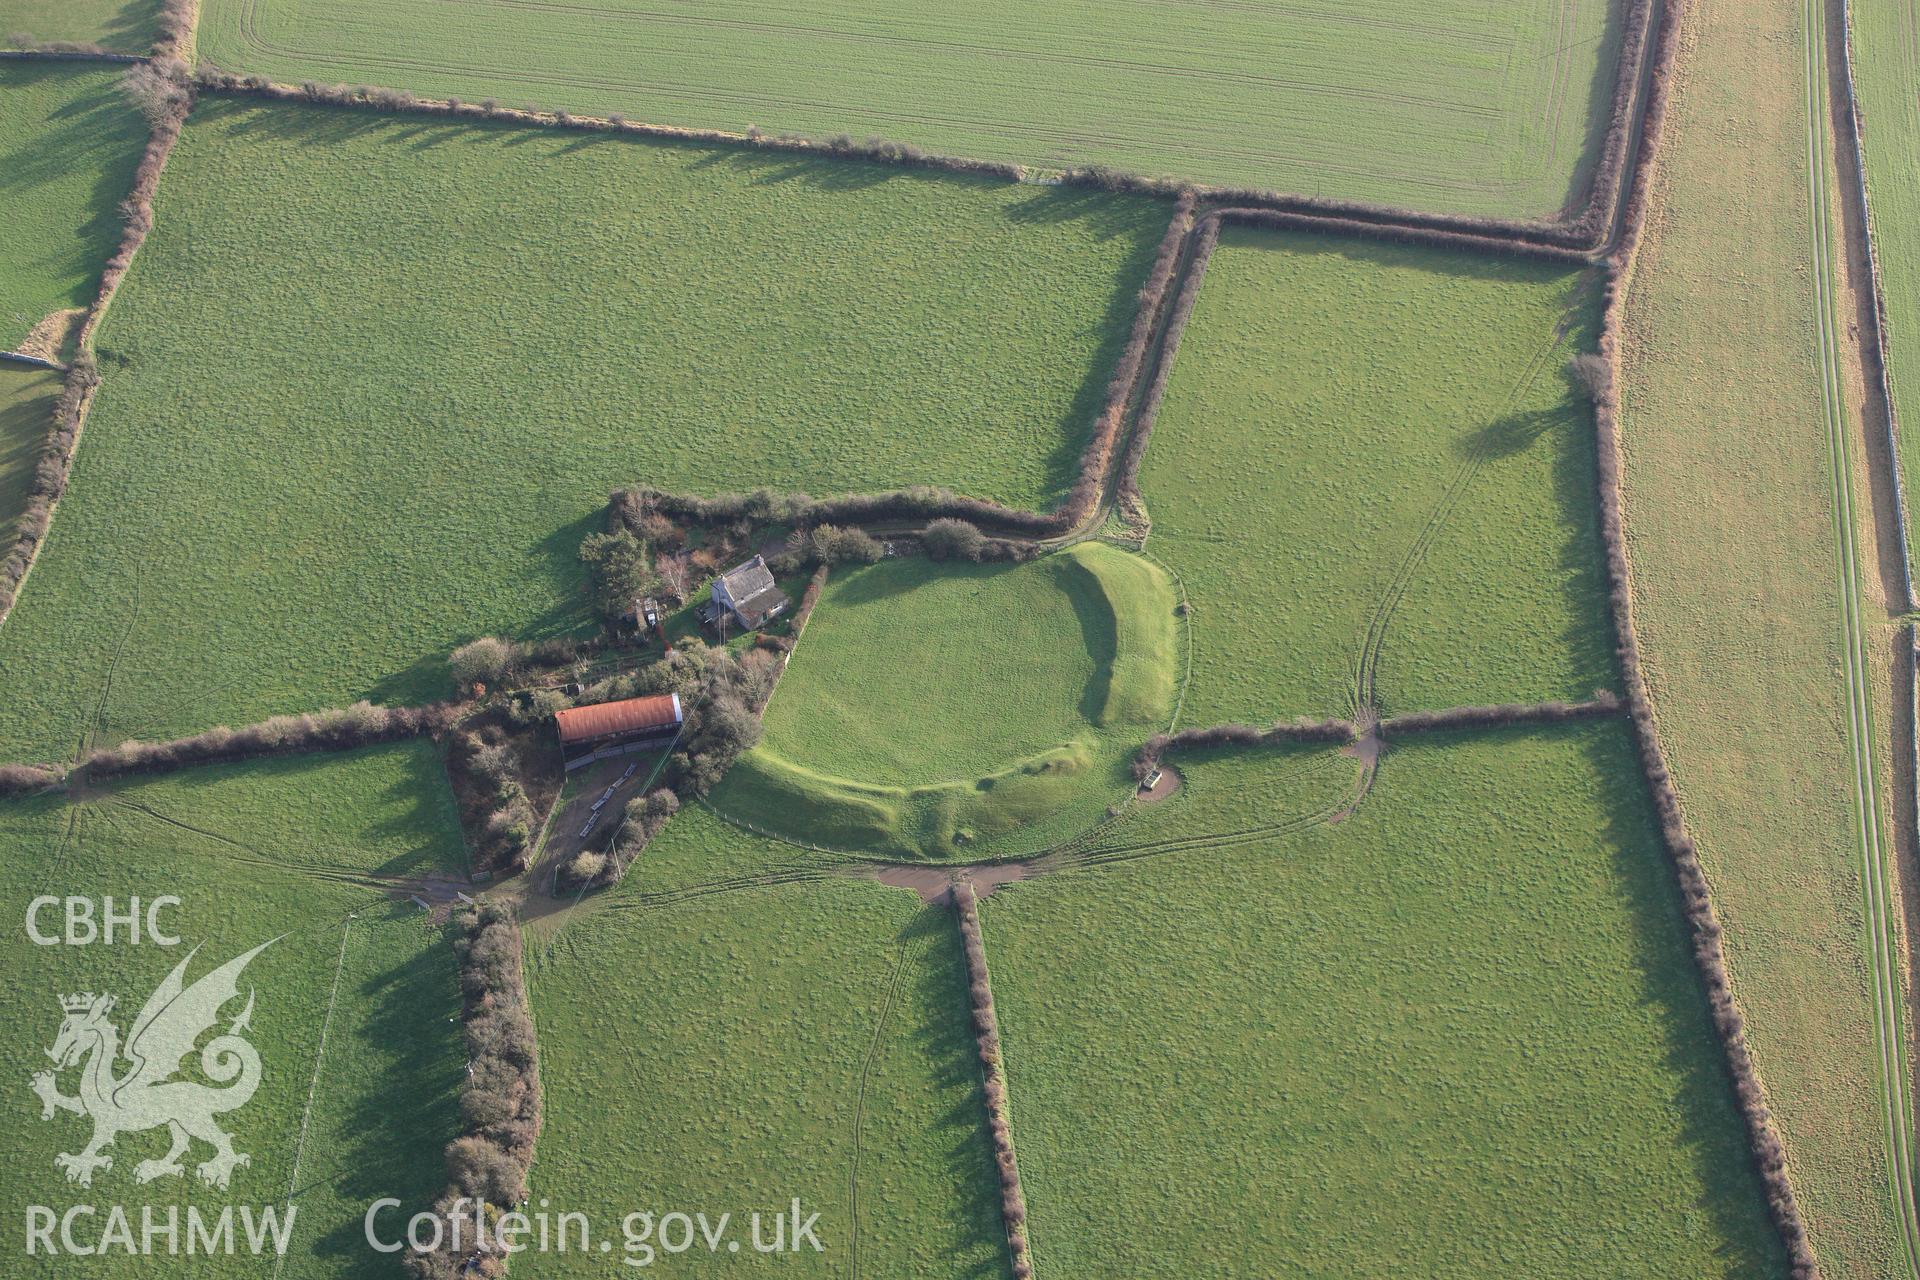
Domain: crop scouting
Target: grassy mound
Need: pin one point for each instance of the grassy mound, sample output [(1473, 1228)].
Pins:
[(1013, 697)]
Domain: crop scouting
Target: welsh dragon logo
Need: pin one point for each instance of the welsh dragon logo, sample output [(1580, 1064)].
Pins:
[(146, 1095)]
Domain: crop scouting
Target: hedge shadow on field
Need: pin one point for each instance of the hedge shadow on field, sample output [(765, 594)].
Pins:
[(1669, 982), (84, 136), (1394, 254), (397, 1131), (317, 124), (942, 1040), (131, 26)]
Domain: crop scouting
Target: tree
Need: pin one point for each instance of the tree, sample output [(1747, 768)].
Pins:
[(831, 544), (618, 564), (950, 539), (486, 659)]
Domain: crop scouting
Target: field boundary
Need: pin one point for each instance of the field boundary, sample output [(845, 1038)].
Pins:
[(1880, 347), (55, 464), (1584, 225), (986, 1025), (1767, 1149)]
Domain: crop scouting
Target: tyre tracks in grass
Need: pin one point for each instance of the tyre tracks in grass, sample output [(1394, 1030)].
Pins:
[(907, 953), (1874, 833), (1487, 442)]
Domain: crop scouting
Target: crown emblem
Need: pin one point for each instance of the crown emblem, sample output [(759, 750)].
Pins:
[(78, 1003)]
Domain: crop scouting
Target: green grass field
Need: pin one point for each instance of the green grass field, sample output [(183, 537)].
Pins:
[(1738, 602), (740, 1049), (1457, 106), (1374, 450), (450, 397), (254, 851), (69, 142), (946, 710), (1457, 1034), (121, 25), (1886, 62), (27, 397)]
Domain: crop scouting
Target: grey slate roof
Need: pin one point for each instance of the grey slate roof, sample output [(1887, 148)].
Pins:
[(748, 580)]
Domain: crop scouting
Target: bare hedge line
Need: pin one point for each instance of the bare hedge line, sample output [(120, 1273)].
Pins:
[(874, 150), (986, 1025), (50, 475), (1582, 233), (1882, 362), (175, 25), (166, 113), (1207, 239), (27, 779), (499, 1103), (26, 48), (361, 725), (136, 211), (1330, 732), (1601, 706), (1696, 900)]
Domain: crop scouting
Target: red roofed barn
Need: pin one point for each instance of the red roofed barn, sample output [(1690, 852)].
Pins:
[(613, 728)]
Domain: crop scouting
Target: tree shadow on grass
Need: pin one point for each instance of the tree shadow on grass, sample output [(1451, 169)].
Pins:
[(568, 612)]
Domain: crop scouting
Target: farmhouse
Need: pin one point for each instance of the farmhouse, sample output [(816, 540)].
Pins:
[(611, 728), (748, 594)]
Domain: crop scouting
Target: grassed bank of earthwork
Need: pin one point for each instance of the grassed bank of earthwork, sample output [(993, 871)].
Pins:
[(949, 710), (1454, 106), (453, 375), (69, 141), (308, 851), (1376, 480), (1457, 1033), (738, 1049)]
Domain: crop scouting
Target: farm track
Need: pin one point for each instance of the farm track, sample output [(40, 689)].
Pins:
[(860, 1105), (1366, 664), (1883, 949)]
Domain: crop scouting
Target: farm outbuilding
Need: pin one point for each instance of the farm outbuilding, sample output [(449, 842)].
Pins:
[(613, 728)]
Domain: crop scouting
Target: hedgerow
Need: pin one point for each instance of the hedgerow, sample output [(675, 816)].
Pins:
[(50, 474), (1696, 899), (1600, 706), (873, 150), (361, 725), (1013, 1201), (499, 1102)]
